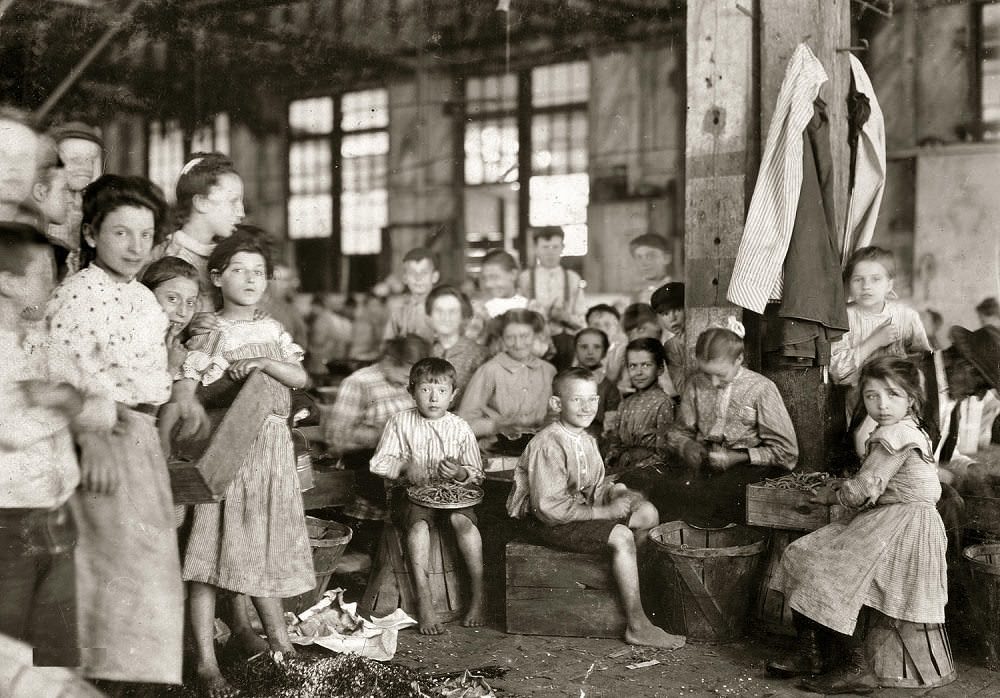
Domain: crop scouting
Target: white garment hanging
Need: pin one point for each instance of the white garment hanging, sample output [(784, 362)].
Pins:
[(768, 230), (869, 170)]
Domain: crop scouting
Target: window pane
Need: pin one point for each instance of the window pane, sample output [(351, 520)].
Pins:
[(364, 110), (222, 133), (491, 149), (561, 83), (562, 200), (310, 212), (491, 93), (559, 142), (310, 216), (165, 156), (362, 217), (311, 116)]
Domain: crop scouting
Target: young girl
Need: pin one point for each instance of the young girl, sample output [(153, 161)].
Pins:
[(732, 428), (591, 346), (365, 401), (448, 309), (254, 542), (509, 394), (174, 282), (209, 206), (879, 325), (638, 447), (890, 557), (108, 335)]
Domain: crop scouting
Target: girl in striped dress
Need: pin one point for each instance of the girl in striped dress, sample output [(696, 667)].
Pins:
[(254, 542), (889, 558)]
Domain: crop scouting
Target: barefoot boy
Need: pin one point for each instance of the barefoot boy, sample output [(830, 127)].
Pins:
[(430, 444), (559, 484)]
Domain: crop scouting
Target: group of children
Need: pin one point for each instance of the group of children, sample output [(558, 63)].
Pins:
[(631, 429)]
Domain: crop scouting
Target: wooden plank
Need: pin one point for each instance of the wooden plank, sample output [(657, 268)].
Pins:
[(789, 509), (537, 566), (564, 612)]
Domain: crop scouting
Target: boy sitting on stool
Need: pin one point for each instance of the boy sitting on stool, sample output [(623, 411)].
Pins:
[(559, 483), (430, 444)]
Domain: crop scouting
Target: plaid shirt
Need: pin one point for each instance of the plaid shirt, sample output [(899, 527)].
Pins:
[(365, 398)]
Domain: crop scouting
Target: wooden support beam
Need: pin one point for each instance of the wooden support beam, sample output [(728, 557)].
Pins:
[(719, 98)]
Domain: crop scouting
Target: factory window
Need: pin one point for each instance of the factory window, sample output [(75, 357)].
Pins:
[(364, 156), (541, 112), (169, 147), (310, 168), (989, 70)]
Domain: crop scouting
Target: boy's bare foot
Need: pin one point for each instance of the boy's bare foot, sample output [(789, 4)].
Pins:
[(651, 636), (428, 622), (474, 616), (250, 643), (213, 685)]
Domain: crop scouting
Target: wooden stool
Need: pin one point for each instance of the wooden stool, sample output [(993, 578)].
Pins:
[(390, 585), (909, 655), (551, 592)]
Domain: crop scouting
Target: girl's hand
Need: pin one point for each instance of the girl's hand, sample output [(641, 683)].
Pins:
[(242, 368), (826, 494), (98, 475), (57, 396), (719, 460), (694, 454), (203, 323), (885, 334), (452, 469)]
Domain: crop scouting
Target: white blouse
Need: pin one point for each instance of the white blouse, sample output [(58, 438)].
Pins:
[(109, 338), (846, 357)]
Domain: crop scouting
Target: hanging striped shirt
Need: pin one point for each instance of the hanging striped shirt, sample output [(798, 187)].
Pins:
[(768, 230), (412, 447), (869, 169)]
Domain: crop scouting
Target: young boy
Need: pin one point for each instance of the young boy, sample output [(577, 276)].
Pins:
[(407, 314), (639, 320), (591, 347), (559, 486), (668, 304), (652, 256), (608, 320), (38, 465), (557, 291), (430, 444)]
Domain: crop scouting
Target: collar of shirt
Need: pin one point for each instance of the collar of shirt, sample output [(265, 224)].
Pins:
[(202, 249), (513, 365)]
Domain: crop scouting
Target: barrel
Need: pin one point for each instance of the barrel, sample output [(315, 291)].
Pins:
[(982, 564), (708, 577), (328, 540), (909, 655)]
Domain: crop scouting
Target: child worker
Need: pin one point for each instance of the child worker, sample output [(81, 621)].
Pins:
[(560, 488), (254, 542), (889, 558), (652, 256), (638, 320), (428, 444), (732, 429), (209, 206), (37, 457), (448, 309), (637, 447), (108, 338), (174, 282), (668, 304), (591, 346), (509, 394), (408, 314)]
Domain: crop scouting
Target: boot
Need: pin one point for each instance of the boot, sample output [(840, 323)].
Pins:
[(807, 659), (856, 677)]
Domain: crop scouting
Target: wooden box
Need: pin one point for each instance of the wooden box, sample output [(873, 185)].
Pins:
[(789, 509), (201, 469), (551, 592)]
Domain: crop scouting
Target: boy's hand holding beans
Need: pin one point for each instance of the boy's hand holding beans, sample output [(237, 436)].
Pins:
[(453, 469)]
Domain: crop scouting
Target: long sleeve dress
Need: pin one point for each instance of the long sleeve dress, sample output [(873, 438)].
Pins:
[(891, 556), (108, 339), (254, 541)]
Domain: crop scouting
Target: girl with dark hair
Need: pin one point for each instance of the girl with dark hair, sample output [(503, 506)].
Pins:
[(890, 558), (254, 542), (448, 310), (108, 336)]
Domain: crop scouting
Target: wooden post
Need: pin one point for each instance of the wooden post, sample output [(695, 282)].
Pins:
[(719, 97)]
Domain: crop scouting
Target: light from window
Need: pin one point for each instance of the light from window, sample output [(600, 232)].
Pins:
[(560, 83), (491, 94), (311, 116), (562, 200), (559, 142), (491, 149), (310, 204), (363, 110), (364, 202), (165, 157), (990, 70)]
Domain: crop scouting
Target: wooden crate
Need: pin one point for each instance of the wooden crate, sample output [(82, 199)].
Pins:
[(551, 592), (789, 509), (201, 469)]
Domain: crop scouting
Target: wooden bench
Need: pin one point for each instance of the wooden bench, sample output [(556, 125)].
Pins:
[(551, 592)]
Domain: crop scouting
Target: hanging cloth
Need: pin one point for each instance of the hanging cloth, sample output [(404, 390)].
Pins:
[(768, 230), (867, 164)]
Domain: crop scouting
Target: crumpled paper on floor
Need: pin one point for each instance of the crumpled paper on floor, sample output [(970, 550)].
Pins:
[(468, 685), (336, 625)]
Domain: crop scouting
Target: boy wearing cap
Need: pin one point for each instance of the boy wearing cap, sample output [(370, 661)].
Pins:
[(652, 256), (81, 151), (668, 304)]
